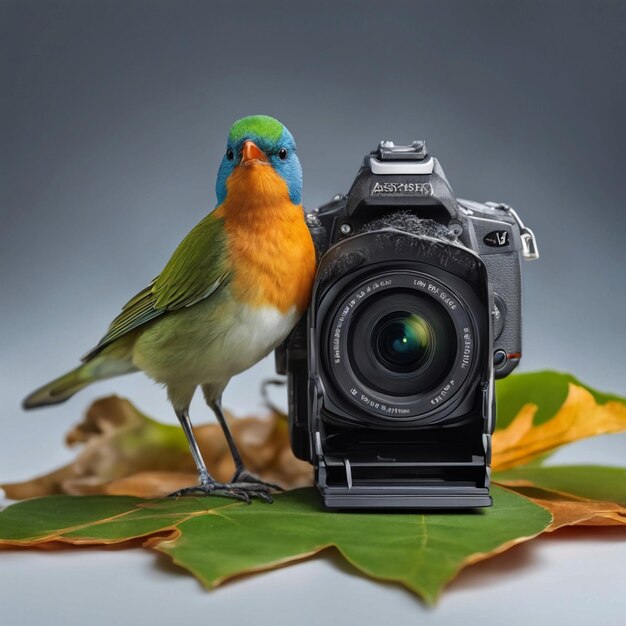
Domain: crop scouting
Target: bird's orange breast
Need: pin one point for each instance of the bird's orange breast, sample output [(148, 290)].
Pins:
[(269, 244)]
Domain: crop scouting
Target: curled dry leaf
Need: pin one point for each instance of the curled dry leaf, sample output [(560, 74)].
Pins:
[(580, 416), (149, 484), (126, 452)]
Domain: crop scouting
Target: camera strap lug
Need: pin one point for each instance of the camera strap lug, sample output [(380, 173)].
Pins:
[(529, 245), (530, 252)]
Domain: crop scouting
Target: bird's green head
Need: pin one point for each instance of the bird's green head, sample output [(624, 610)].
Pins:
[(261, 140)]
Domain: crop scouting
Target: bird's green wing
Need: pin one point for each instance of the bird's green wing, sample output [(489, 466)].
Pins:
[(198, 267)]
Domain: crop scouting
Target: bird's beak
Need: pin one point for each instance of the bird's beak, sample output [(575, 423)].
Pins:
[(252, 154)]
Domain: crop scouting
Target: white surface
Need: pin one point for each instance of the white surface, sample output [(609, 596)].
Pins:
[(572, 580)]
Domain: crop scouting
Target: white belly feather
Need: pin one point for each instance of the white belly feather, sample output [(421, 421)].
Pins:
[(257, 333)]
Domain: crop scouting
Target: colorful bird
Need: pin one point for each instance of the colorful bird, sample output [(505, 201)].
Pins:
[(230, 294)]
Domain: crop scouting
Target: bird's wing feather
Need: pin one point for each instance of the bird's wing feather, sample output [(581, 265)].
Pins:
[(198, 267)]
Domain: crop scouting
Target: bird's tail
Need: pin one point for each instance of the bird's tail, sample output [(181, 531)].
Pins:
[(59, 390), (64, 387)]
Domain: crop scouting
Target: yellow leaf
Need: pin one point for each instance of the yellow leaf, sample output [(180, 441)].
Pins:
[(579, 417)]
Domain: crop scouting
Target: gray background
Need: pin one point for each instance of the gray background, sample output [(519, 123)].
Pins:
[(114, 118)]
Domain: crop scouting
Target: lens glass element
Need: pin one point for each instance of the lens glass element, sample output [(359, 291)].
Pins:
[(403, 341), (402, 344)]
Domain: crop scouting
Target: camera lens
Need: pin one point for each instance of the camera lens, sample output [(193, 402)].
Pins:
[(402, 341), (401, 344)]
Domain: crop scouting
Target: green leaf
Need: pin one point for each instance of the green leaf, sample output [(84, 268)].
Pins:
[(546, 389), (594, 482), (216, 538)]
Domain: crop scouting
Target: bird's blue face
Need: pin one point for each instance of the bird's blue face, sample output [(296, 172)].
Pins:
[(263, 140)]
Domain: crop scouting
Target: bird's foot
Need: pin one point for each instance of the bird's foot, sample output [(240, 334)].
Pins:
[(242, 475), (243, 491)]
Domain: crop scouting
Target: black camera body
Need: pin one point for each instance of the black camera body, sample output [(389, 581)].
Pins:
[(416, 308)]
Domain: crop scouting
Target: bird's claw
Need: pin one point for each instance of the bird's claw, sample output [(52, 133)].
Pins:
[(254, 490), (244, 476), (211, 489), (243, 491)]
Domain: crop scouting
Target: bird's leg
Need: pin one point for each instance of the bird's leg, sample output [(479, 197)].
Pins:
[(241, 476), (207, 484)]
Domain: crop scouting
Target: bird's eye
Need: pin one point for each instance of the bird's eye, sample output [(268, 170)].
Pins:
[(282, 154), (230, 155)]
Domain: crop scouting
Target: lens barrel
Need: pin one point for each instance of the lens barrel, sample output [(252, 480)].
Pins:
[(401, 344)]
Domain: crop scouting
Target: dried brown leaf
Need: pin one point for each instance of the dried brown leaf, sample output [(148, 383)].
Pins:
[(568, 510), (148, 484), (123, 449)]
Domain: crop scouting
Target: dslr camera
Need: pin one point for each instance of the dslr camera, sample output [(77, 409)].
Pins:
[(416, 309)]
